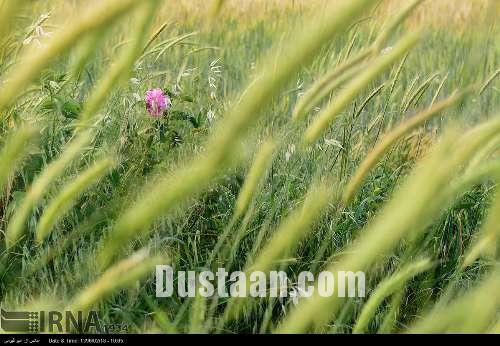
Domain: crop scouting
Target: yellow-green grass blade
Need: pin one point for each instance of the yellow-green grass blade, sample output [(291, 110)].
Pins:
[(8, 10), (346, 70), (216, 8), (489, 81), (84, 51), (488, 170), (121, 275), (329, 82), (285, 239), (391, 137), (33, 62), (187, 181), (411, 209), (14, 149), (474, 312), (120, 69), (394, 22), (488, 237), (387, 287), (257, 171), (418, 93), (39, 188), (261, 162), (352, 89), (59, 206)]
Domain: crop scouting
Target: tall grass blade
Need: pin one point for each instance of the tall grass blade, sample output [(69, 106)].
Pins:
[(326, 117), (121, 69), (387, 287), (39, 188), (196, 175), (410, 210), (8, 10), (391, 137), (285, 239), (33, 62), (122, 274), (481, 302), (391, 26), (489, 81), (65, 199), (329, 82), (488, 239), (13, 151), (257, 171)]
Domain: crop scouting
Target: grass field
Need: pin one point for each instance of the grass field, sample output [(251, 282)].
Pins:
[(354, 135)]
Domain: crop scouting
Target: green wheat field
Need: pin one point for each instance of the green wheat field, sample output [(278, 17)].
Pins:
[(339, 135)]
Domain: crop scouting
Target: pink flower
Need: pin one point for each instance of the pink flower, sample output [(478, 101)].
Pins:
[(156, 102)]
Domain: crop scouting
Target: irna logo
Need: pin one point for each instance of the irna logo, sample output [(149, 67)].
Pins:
[(50, 321)]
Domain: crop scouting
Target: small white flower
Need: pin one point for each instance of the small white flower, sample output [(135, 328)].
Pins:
[(295, 295), (386, 50), (54, 85), (289, 152), (211, 115), (137, 97)]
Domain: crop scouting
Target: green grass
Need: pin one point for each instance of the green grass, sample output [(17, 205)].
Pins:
[(176, 181)]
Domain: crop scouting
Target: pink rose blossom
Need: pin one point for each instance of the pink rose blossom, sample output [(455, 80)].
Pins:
[(156, 102)]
